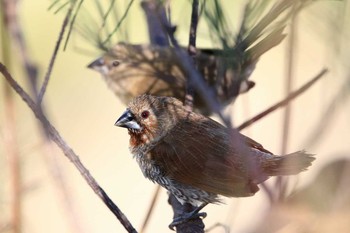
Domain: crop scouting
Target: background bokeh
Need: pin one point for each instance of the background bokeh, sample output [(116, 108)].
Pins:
[(83, 110)]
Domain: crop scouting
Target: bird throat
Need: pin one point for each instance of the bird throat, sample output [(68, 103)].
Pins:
[(140, 137)]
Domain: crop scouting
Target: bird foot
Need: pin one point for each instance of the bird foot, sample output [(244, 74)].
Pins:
[(186, 217)]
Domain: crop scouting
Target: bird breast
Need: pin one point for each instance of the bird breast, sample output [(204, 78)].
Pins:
[(151, 170)]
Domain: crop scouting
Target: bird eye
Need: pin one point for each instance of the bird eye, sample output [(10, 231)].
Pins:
[(145, 114), (115, 63)]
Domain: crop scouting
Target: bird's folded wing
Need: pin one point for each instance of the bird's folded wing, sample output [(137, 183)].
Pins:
[(199, 154)]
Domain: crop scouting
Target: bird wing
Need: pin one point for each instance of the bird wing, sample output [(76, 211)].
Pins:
[(199, 153)]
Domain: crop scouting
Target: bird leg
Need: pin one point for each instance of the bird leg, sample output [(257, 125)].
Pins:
[(188, 216)]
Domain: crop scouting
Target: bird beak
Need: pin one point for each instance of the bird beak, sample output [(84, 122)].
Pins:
[(127, 120), (97, 63)]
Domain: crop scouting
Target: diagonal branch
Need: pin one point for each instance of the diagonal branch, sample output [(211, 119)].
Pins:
[(195, 77), (189, 98), (54, 55), (15, 29), (283, 102), (150, 209), (68, 152)]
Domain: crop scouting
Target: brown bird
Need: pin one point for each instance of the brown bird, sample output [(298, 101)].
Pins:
[(132, 70), (197, 159)]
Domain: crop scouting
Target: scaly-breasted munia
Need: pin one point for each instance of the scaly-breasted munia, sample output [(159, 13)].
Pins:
[(197, 159), (131, 70)]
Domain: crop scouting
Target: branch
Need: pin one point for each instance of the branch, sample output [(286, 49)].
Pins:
[(68, 152), (154, 11), (151, 208), (18, 39), (119, 23), (195, 77), (194, 225), (282, 182), (189, 98), (283, 102), (12, 23), (326, 119), (53, 58)]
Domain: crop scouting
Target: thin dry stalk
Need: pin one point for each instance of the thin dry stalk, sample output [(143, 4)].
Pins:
[(11, 148), (189, 98), (15, 29), (150, 209), (285, 101), (9, 132), (326, 119), (54, 55), (68, 151), (281, 182)]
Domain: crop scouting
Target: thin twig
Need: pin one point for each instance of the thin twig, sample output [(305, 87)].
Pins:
[(282, 182), (151, 208), (11, 147), (16, 31), (326, 118), (192, 51), (54, 55), (72, 21), (10, 136), (283, 102), (119, 23), (68, 151), (11, 21)]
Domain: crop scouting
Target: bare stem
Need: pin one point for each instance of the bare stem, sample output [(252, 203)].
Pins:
[(282, 182), (155, 13), (54, 55), (151, 208), (194, 76), (68, 151), (283, 102), (189, 98), (11, 146)]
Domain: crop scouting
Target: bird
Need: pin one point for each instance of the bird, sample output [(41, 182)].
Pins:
[(134, 69), (197, 159)]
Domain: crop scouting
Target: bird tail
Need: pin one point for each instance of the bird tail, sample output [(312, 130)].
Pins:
[(289, 164)]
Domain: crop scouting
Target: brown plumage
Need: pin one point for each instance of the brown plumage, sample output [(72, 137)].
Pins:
[(132, 70), (196, 158)]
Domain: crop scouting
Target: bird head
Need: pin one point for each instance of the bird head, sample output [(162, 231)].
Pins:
[(113, 60), (151, 117)]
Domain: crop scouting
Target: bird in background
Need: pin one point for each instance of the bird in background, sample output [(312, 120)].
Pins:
[(197, 159), (131, 70)]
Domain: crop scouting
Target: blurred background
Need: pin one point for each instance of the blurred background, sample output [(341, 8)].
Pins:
[(41, 191)]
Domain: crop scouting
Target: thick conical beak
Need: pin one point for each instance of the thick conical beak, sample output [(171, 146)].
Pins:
[(127, 120), (96, 64)]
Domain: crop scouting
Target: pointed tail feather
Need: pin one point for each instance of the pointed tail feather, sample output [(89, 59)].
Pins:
[(289, 164)]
